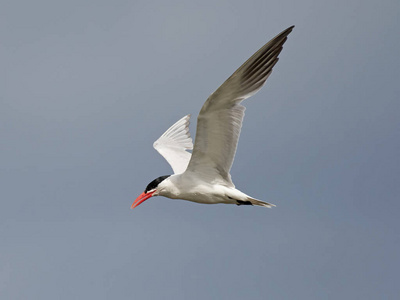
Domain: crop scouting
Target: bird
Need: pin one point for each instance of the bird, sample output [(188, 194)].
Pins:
[(203, 175)]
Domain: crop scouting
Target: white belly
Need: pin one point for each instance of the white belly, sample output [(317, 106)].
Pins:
[(195, 190)]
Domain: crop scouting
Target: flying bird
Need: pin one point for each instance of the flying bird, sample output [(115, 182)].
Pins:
[(203, 176)]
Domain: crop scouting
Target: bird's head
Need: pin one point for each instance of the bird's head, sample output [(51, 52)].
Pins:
[(151, 190)]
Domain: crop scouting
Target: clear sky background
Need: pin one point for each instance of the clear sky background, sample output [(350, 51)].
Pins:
[(87, 86)]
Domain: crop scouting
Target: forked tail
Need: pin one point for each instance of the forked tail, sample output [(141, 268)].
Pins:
[(260, 203)]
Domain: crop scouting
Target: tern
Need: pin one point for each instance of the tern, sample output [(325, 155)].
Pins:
[(203, 175)]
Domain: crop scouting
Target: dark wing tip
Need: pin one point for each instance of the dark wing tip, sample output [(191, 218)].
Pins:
[(255, 71)]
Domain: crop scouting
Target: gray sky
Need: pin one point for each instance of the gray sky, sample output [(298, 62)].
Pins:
[(87, 86)]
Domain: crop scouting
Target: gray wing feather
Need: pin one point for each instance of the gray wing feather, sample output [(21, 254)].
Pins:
[(220, 119)]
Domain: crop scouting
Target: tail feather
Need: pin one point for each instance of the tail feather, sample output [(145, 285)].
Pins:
[(260, 203)]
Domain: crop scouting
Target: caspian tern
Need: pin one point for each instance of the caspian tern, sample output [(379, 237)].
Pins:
[(203, 175)]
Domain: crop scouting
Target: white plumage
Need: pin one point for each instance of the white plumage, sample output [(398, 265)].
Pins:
[(172, 145), (203, 176)]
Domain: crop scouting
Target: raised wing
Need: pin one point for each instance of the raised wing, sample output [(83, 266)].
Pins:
[(220, 119), (172, 145)]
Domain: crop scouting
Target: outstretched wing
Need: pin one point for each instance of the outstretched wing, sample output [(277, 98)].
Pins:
[(172, 145), (220, 119)]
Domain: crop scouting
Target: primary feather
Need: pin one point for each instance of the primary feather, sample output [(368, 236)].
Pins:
[(172, 145)]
